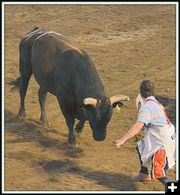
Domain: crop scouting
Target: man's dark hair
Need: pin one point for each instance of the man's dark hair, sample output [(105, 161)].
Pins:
[(147, 88)]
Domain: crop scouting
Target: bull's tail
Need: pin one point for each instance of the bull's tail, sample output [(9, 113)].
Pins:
[(15, 83)]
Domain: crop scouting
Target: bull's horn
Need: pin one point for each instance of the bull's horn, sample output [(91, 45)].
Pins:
[(139, 102), (90, 101), (117, 98)]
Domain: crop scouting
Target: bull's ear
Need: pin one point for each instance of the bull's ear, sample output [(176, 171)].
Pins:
[(90, 101), (120, 104), (139, 102)]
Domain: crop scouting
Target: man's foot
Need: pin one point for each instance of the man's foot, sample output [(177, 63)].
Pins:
[(164, 180), (141, 177)]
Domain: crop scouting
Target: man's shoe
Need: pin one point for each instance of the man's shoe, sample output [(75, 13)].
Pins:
[(164, 180), (141, 177)]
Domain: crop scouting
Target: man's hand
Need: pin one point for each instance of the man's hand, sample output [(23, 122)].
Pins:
[(134, 130), (119, 142)]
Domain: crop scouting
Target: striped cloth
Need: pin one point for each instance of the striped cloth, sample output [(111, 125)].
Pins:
[(151, 112)]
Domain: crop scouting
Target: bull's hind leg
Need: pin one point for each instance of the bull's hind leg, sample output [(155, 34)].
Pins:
[(24, 80), (42, 100)]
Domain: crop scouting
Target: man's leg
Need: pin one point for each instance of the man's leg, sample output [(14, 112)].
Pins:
[(143, 168), (160, 166), (143, 173)]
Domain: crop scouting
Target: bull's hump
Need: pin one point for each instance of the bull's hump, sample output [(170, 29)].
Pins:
[(45, 34), (74, 49)]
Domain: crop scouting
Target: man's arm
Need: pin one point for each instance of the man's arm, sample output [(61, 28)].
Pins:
[(134, 130)]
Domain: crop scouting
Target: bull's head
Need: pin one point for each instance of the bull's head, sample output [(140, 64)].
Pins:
[(99, 112)]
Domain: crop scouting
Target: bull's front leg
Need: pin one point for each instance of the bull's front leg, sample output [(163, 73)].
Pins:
[(70, 123), (68, 117), (78, 128)]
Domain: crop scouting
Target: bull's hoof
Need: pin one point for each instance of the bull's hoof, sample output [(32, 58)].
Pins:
[(77, 129), (22, 116), (71, 141), (45, 123)]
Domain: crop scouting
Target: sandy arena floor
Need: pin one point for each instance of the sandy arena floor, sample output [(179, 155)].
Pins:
[(128, 43)]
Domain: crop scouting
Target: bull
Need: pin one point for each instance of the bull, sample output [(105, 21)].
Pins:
[(68, 73)]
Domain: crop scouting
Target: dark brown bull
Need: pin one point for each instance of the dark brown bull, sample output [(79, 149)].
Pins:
[(68, 73)]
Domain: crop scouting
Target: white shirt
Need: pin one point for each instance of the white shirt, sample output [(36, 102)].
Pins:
[(157, 134)]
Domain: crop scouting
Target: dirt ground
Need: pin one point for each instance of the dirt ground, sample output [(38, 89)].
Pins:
[(128, 43)]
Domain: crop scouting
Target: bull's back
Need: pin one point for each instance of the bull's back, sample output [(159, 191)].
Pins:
[(45, 58), (60, 66)]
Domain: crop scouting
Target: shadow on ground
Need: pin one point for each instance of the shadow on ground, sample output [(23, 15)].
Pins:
[(29, 131), (113, 181)]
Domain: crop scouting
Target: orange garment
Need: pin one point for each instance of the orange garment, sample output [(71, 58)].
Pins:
[(159, 164)]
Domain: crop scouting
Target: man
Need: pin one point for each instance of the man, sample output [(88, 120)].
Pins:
[(158, 145)]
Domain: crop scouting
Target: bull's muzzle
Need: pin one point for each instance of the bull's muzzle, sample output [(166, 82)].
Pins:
[(99, 137)]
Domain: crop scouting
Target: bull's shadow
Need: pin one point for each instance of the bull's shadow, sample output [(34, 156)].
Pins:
[(114, 181), (28, 131), (170, 107)]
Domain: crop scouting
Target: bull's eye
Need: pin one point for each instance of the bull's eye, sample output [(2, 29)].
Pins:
[(108, 101)]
